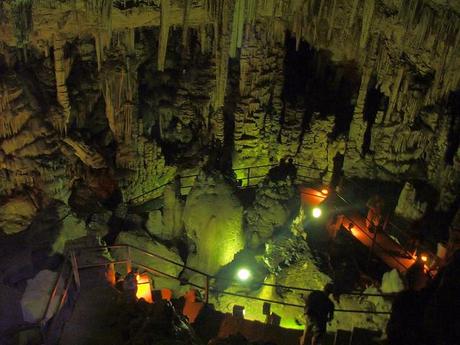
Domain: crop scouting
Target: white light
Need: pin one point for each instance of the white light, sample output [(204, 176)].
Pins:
[(243, 274), (316, 212)]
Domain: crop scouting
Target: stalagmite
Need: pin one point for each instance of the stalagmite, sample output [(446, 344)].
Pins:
[(164, 34), (61, 79)]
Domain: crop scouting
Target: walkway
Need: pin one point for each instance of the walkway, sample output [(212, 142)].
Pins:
[(385, 247), (382, 245)]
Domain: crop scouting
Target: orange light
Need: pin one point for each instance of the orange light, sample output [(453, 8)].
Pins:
[(424, 258), (144, 289), (324, 191)]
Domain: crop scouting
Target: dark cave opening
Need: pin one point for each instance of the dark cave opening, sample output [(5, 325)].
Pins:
[(453, 141), (314, 81), (375, 101)]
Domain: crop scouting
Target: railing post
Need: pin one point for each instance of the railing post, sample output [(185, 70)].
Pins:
[(73, 260), (128, 259), (371, 249), (206, 290)]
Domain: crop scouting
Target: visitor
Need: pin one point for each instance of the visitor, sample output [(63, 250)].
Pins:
[(319, 310), (374, 214), (130, 286), (279, 172), (291, 169), (283, 169)]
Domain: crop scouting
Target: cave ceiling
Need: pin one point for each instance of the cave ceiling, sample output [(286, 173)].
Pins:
[(136, 91)]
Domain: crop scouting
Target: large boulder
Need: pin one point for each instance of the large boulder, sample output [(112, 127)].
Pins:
[(273, 208), (213, 219), (36, 296), (71, 229), (16, 215), (392, 282), (154, 224), (167, 225), (408, 206), (143, 241)]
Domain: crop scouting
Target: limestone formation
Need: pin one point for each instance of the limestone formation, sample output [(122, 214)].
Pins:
[(16, 215), (213, 220), (270, 211), (35, 298), (139, 259), (129, 111), (408, 207)]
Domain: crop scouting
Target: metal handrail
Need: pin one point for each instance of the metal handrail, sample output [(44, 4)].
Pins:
[(248, 177), (376, 243), (207, 276), (183, 266), (54, 291), (365, 218)]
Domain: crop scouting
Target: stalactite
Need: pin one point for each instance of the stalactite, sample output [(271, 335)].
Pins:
[(102, 40), (252, 6), (395, 92), (11, 124), (118, 88), (368, 13), (204, 41), (354, 10), (185, 22), (239, 19), (102, 9), (61, 80), (23, 21), (164, 34), (222, 48), (332, 22)]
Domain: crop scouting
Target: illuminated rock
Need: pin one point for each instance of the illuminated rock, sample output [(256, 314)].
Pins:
[(142, 241), (16, 215), (36, 295), (71, 228), (213, 219), (392, 282), (408, 206), (271, 210)]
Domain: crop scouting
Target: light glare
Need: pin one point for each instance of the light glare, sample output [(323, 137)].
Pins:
[(316, 212), (243, 274)]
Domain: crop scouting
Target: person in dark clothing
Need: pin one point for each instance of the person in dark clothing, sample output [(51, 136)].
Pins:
[(279, 172), (130, 286), (406, 318), (319, 310), (291, 169)]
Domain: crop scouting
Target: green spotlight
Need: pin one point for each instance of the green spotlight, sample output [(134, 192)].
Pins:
[(243, 274), (316, 212)]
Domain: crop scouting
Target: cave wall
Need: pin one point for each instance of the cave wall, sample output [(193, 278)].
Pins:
[(142, 90)]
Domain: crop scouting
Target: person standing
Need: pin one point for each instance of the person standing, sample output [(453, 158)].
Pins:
[(375, 212), (130, 286), (319, 310)]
